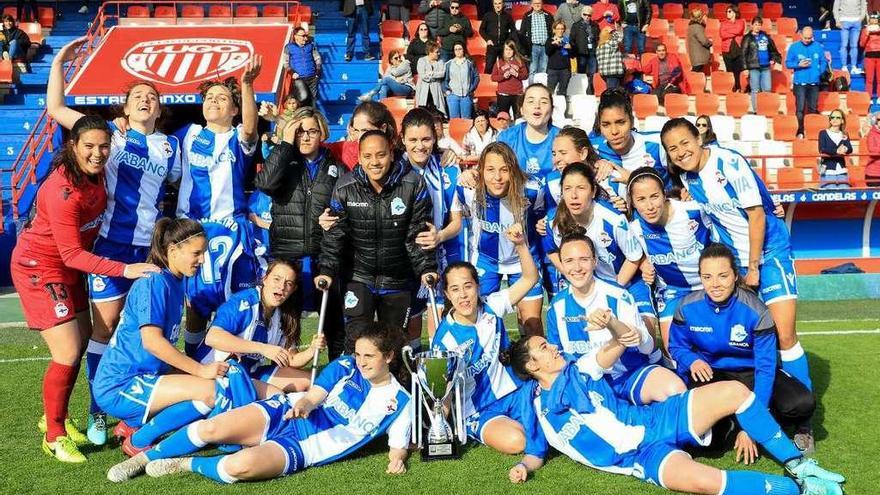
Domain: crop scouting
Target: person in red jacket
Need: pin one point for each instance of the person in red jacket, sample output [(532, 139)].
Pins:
[(870, 42), (732, 30), (872, 169), (605, 14), (509, 72), (48, 266), (367, 116), (667, 73)]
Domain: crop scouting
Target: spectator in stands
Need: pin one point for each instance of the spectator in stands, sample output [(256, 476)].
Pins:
[(503, 121), (605, 14), (732, 30), (850, 14), (460, 83), (497, 27), (825, 19), (870, 42), (759, 52), (509, 73), (398, 10), (14, 42), (699, 47), (456, 28), (667, 73), (479, 136), (610, 58), (707, 134), (872, 169), (302, 59), (357, 15), (834, 145), (416, 48), (636, 15), (397, 81), (432, 72), (559, 54), (534, 31), (568, 12), (277, 119), (808, 61), (435, 12), (367, 116), (22, 6), (450, 149), (584, 39)]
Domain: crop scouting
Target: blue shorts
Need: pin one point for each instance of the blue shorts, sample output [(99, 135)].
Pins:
[(778, 279), (129, 401), (629, 386), (668, 300), (103, 288), (642, 295), (264, 373), (278, 431), (476, 422), (490, 281)]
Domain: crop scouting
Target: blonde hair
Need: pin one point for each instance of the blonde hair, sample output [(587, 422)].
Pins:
[(605, 35)]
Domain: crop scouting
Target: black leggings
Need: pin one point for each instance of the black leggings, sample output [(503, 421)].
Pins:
[(507, 103), (363, 305)]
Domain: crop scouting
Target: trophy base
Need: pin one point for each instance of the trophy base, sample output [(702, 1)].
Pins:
[(441, 451)]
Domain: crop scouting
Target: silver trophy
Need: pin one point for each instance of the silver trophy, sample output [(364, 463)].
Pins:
[(437, 381)]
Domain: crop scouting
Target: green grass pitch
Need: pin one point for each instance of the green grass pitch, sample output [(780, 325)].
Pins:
[(844, 369)]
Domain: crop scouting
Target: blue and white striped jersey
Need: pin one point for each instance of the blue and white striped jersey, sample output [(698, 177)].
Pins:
[(353, 414), (647, 151), (216, 171), (136, 173), (567, 327), (489, 248), (534, 159), (674, 249), (442, 184), (487, 380), (725, 187)]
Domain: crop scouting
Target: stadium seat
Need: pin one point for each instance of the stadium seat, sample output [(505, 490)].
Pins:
[(458, 128), (476, 46), (753, 128), (786, 26), (809, 148), (247, 11), (389, 44), (519, 10), (790, 178), (738, 104), (772, 10), (46, 17), (655, 10), (480, 63), (697, 5), (475, 27), (137, 11), (165, 12), (412, 27), (469, 10), (391, 28), (219, 11), (724, 127), (748, 10), (828, 101), (768, 104), (676, 105), (599, 85), (550, 8), (672, 10), (487, 90), (790, 103), (854, 126), (856, 175), (780, 82), (722, 82), (34, 31), (713, 28), (813, 124), (190, 11), (645, 105), (785, 127), (647, 57), (707, 103), (773, 148), (680, 27), (274, 11), (697, 81), (654, 123), (658, 28), (577, 85), (6, 72), (301, 14), (719, 10), (398, 102)]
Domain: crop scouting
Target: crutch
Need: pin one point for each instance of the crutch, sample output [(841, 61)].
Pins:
[(324, 288), (432, 301)]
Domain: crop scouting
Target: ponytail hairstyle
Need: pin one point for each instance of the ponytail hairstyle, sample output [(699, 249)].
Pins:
[(718, 250), (291, 308), (516, 196), (614, 98), (517, 357), (564, 220), (643, 174), (388, 338), (419, 117), (171, 232), (670, 125), (581, 141), (65, 158)]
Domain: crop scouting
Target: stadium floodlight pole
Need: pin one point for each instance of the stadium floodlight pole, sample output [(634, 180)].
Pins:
[(432, 301), (322, 284)]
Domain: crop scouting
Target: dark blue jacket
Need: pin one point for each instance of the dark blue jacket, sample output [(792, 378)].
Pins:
[(301, 59)]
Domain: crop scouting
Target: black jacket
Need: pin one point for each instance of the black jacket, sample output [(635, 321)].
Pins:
[(448, 39), (525, 31), (643, 11), (584, 37), (750, 51), (15, 34), (380, 229), (498, 28), (297, 200), (348, 7)]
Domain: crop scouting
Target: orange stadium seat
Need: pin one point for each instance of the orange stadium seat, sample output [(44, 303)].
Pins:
[(137, 11), (786, 26), (785, 127), (738, 104), (828, 101), (854, 126), (697, 81), (685, 60), (790, 178), (398, 102), (391, 28), (190, 11), (389, 44), (858, 102), (273, 11), (671, 10), (680, 26), (219, 11), (768, 104), (458, 128), (658, 28), (810, 149), (247, 11), (771, 10), (707, 103), (475, 27), (476, 46), (165, 12), (34, 31), (719, 10), (790, 103), (676, 105), (748, 10), (655, 10), (780, 82), (722, 82), (599, 85), (856, 175), (469, 10), (645, 105), (412, 27), (647, 57), (487, 89)]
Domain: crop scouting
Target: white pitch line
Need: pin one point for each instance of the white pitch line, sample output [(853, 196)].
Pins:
[(22, 360)]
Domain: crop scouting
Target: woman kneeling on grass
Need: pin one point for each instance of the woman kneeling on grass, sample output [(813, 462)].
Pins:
[(354, 399)]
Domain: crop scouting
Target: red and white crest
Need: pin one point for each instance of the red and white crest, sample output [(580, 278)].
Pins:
[(182, 61)]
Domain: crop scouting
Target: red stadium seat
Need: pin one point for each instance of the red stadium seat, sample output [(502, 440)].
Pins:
[(412, 27), (389, 44), (550, 8), (46, 16), (34, 31), (697, 81), (779, 81), (599, 85), (676, 105), (469, 10), (828, 101), (458, 128), (475, 27), (6, 72), (813, 124), (722, 82), (519, 10), (487, 87), (719, 10), (137, 11), (772, 10), (786, 26), (476, 46), (247, 11), (768, 104), (658, 28), (165, 12), (391, 28), (854, 126), (647, 57), (856, 175), (190, 11), (707, 103), (274, 11), (680, 26), (748, 10), (303, 14), (672, 10), (645, 105), (790, 178), (219, 11), (809, 148), (785, 127), (858, 102), (738, 104), (655, 10), (479, 63)]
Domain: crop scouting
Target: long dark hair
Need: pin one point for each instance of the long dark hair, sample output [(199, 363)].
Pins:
[(718, 250), (581, 140), (388, 338), (614, 98), (378, 116), (291, 308), (670, 125), (168, 232), (710, 136), (517, 356), (65, 159), (564, 220)]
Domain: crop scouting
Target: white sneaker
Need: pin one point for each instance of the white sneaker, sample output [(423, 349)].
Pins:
[(128, 468), (845, 68), (856, 70), (164, 467)]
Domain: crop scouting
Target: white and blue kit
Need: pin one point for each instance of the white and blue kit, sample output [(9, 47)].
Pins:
[(725, 188), (647, 151), (489, 385), (609, 231), (242, 316), (217, 169), (567, 328), (674, 251), (136, 172), (534, 158), (489, 250), (128, 373), (353, 414), (260, 204)]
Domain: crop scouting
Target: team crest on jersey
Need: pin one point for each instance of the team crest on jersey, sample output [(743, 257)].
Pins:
[(397, 206), (693, 225), (351, 300), (182, 61), (604, 239), (720, 178), (332, 171), (391, 406), (167, 151), (738, 333), (98, 284), (61, 310), (243, 305), (534, 166), (649, 160), (446, 180)]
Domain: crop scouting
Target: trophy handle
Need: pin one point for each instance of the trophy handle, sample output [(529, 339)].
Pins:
[(459, 416), (407, 357)]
